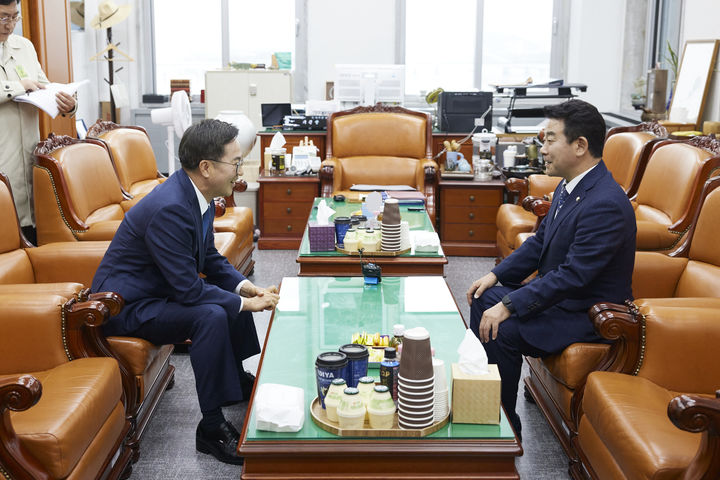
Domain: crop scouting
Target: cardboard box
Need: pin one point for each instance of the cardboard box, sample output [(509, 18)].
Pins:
[(476, 398)]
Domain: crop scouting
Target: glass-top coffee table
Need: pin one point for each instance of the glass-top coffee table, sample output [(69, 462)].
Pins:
[(318, 314), (336, 263)]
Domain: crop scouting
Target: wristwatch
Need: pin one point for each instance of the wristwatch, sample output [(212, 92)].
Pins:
[(508, 303)]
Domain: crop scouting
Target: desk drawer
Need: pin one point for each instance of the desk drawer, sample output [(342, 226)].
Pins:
[(469, 214), (284, 226), (460, 197), (287, 210), (288, 192), (464, 232)]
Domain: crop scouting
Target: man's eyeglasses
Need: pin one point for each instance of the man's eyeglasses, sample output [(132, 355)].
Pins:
[(237, 166), (6, 20)]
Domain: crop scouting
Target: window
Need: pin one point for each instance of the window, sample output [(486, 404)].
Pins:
[(516, 47), (259, 29), (189, 41), (442, 44)]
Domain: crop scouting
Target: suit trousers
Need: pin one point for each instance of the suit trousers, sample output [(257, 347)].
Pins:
[(506, 350), (219, 345)]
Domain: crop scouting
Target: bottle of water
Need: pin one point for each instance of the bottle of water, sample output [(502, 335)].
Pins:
[(389, 372)]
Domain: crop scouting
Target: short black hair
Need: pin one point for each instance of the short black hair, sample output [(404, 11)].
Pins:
[(205, 141), (8, 2), (581, 119)]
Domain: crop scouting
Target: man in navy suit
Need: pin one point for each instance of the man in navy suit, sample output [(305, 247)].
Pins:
[(583, 251), (153, 262)]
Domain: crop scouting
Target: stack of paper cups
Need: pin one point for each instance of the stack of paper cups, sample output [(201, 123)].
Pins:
[(441, 390)]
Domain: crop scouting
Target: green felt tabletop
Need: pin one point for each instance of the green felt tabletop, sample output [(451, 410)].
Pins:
[(418, 221), (319, 314)]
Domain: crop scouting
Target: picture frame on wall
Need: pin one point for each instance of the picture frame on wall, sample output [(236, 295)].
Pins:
[(693, 82)]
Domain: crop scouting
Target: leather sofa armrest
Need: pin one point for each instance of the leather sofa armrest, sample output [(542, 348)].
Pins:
[(220, 206), (67, 261), (240, 185), (429, 170), (622, 324), (697, 414), (679, 302), (330, 174), (104, 230), (18, 393), (656, 275), (518, 187)]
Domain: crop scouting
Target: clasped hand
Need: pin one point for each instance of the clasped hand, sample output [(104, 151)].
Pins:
[(257, 298)]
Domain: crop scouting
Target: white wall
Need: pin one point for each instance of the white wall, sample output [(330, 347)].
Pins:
[(700, 22), (595, 50), (347, 31)]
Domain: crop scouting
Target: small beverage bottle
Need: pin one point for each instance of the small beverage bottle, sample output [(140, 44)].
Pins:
[(398, 332), (389, 372)]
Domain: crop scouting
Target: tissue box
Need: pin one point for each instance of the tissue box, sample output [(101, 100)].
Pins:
[(476, 398), (322, 237)]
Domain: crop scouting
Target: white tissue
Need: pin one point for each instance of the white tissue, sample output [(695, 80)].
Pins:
[(277, 141), (279, 408), (473, 359), (324, 213)]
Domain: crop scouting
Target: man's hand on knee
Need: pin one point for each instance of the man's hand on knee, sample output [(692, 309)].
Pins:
[(479, 286), (491, 320)]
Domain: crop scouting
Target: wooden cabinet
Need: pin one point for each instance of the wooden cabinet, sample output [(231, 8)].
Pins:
[(467, 216), (284, 204)]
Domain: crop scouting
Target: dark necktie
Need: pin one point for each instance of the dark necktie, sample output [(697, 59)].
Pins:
[(207, 219), (561, 199)]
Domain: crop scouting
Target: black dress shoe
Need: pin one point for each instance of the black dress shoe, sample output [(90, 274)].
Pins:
[(247, 381), (221, 444)]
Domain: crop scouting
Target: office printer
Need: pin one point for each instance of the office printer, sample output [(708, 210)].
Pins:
[(458, 111)]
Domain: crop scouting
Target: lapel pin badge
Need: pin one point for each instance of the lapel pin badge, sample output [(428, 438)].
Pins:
[(577, 199)]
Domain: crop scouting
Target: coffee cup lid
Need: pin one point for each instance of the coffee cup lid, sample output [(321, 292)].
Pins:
[(331, 360), (354, 351)]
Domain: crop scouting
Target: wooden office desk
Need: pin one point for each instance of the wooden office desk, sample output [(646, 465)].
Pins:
[(320, 314)]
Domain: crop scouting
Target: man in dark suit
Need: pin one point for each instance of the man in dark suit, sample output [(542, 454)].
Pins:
[(583, 251), (153, 262)]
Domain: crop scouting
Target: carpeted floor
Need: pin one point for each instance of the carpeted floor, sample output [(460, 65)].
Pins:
[(168, 447)]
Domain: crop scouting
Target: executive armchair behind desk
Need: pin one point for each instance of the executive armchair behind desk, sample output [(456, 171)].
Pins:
[(379, 145)]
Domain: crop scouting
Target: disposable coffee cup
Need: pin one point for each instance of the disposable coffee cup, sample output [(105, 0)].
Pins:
[(328, 367)]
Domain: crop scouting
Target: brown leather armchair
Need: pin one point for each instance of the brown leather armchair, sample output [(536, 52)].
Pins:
[(671, 376), (78, 197), (62, 269), (46, 373), (134, 161), (688, 276), (512, 218), (379, 145), (626, 153)]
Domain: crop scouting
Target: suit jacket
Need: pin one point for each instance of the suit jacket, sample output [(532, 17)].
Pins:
[(157, 253), (583, 256)]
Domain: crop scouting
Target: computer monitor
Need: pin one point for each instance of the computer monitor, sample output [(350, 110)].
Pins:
[(274, 113), (369, 84)]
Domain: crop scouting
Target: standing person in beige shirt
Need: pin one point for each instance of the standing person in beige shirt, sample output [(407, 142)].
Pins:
[(20, 72)]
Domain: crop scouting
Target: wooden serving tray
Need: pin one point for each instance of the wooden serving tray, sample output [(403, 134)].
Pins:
[(372, 254), (319, 416)]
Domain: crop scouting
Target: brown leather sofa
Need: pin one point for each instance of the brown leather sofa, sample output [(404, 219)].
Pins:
[(626, 153), (62, 410), (659, 420), (512, 218), (134, 161), (379, 146), (78, 197), (63, 268), (688, 276)]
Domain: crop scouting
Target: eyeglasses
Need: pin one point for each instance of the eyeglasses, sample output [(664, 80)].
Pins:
[(237, 166), (6, 20)]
